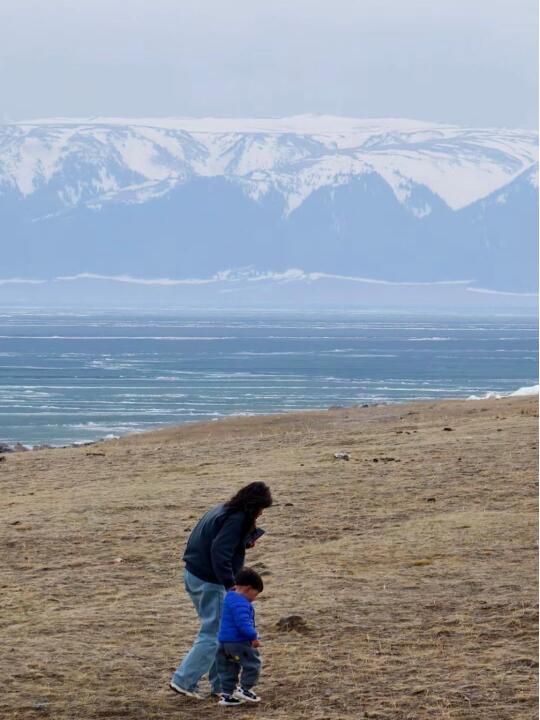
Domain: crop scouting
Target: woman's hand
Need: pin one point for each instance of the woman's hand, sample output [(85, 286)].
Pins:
[(255, 643), (253, 536)]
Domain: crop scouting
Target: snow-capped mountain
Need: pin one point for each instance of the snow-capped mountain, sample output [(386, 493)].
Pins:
[(391, 199)]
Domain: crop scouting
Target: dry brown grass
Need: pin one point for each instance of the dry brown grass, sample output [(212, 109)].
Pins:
[(416, 575)]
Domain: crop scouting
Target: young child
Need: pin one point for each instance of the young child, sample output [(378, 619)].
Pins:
[(238, 641)]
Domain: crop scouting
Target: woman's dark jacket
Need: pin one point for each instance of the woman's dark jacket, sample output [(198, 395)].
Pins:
[(216, 548)]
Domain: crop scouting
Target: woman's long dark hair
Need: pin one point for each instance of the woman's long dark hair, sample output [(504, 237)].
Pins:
[(249, 499)]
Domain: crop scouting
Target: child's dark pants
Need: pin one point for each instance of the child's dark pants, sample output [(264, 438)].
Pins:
[(232, 658)]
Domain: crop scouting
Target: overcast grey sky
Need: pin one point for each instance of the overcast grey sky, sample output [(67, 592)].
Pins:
[(471, 62)]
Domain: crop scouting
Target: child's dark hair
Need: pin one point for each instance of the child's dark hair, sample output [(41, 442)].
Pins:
[(250, 578)]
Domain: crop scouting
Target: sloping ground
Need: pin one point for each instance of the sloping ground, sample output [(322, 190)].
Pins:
[(413, 564)]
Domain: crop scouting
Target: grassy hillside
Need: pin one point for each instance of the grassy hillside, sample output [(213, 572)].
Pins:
[(413, 565)]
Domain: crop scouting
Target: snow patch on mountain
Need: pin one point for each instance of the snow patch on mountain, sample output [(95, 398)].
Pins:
[(103, 160)]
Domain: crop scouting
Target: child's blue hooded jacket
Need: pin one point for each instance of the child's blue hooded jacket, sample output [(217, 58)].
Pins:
[(237, 619)]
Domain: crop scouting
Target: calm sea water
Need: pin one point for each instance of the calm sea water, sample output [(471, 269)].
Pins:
[(78, 377)]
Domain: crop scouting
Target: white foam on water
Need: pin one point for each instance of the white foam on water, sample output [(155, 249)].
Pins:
[(429, 339), (369, 355), (289, 352), (115, 337)]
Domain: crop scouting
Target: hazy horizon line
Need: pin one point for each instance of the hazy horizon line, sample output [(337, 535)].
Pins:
[(144, 119), (247, 275)]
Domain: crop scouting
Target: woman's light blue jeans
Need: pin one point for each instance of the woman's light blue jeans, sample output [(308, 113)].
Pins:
[(201, 659)]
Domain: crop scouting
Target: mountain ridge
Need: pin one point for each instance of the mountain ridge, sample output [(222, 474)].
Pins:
[(396, 199), (399, 150)]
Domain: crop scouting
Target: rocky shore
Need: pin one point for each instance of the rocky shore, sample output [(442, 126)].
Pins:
[(20, 447)]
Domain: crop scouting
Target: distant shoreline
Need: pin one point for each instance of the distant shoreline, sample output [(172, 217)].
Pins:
[(18, 447)]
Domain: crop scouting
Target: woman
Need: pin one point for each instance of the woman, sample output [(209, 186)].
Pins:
[(214, 554)]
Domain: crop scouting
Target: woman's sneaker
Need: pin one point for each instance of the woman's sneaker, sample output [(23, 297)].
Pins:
[(230, 701), (195, 694), (246, 695)]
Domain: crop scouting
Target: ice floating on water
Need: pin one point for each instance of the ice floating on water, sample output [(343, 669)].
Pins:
[(487, 396), (521, 392), (530, 390)]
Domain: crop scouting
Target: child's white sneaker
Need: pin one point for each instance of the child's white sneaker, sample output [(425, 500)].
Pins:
[(246, 695)]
